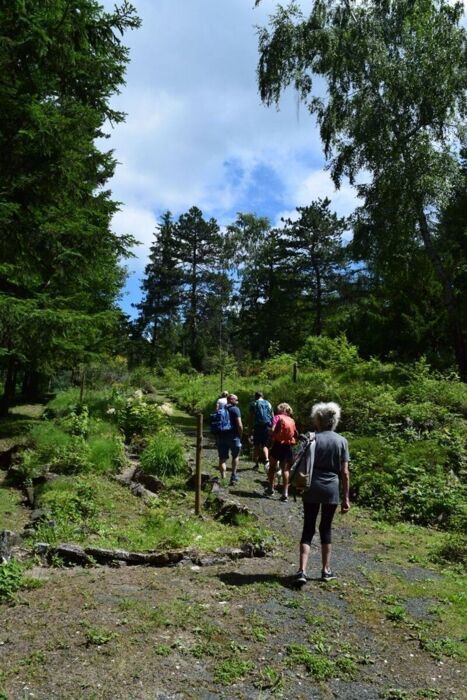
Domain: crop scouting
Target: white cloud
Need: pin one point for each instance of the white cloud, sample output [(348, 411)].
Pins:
[(140, 223)]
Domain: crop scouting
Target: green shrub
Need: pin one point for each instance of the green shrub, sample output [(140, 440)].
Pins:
[(11, 580), (142, 378), (321, 351), (106, 453), (134, 415), (278, 366), (164, 455), (77, 421), (452, 550)]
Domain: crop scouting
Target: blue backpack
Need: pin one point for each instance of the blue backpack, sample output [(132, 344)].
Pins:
[(263, 413), (220, 421)]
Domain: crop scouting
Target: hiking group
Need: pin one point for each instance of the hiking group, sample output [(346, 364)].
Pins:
[(315, 464)]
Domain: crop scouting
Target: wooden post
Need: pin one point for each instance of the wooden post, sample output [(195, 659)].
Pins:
[(199, 447), (294, 376)]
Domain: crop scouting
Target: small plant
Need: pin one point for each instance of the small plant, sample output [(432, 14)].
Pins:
[(162, 650), (396, 613), (318, 666), (11, 580), (232, 670), (270, 678), (164, 455), (98, 637)]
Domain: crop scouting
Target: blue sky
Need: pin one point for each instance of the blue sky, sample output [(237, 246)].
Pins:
[(196, 132)]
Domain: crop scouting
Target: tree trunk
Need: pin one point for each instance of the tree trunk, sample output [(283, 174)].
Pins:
[(9, 387), (33, 385), (455, 327), (319, 302)]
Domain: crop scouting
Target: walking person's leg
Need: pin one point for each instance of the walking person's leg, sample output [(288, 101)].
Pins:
[(223, 453), (310, 514), (327, 514), (271, 476), (285, 466), (235, 447)]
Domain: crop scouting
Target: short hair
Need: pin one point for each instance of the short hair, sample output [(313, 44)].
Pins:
[(258, 395), (285, 408), (326, 416), (224, 394)]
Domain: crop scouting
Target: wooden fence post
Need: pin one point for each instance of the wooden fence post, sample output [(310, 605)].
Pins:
[(199, 447)]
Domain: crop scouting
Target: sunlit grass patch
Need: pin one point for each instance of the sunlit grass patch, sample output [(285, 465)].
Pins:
[(95, 510)]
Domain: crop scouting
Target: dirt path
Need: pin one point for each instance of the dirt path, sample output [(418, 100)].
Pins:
[(238, 630)]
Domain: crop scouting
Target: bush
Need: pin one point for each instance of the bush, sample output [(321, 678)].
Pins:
[(453, 550), (134, 415), (164, 455), (106, 453), (142, 378), (321, 351)]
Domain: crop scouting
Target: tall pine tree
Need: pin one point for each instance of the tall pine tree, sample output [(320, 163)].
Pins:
[(159, 309)]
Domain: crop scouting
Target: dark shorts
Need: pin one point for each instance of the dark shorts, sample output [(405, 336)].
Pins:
[(261, 435), (226, 444), (283, 453)]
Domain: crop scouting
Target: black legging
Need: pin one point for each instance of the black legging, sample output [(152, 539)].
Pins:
[(310, 513)]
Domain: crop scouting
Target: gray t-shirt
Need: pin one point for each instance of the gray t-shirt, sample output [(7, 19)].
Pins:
[(331, 450)]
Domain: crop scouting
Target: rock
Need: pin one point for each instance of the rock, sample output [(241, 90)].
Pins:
[(152, 483), (29, 494), (70, 554), (8, 540), (126, 476), (39, 515), (165, 558), (226, 509), (142, 492), (41, 548), (205, 480), (7, 457)]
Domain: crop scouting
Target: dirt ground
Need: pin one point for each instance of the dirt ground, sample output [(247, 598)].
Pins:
[(236, 630)]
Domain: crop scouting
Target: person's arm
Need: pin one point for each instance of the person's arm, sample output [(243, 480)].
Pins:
[(239, 425), (345, 480)]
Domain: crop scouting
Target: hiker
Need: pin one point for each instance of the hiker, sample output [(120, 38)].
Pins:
[(230, 440), (260, 423), (331, 465), (222, 400), (284, 436)]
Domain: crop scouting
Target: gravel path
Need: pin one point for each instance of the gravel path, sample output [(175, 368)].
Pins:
[(237, 630)]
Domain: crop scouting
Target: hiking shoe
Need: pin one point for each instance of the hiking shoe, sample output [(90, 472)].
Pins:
[(256, 467), (300, 578), (233, 479), (328, 575), (268, 492), (284, 498)]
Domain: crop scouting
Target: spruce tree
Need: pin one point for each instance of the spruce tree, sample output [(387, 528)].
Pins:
[(59, 260), (160, 306), (206, 289)]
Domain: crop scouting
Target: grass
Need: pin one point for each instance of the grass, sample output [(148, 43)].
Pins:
[(96, 510), (13, 516), (232, 670)]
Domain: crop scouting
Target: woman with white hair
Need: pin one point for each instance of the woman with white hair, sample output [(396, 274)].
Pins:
[(331, 466)]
